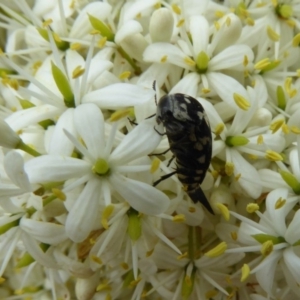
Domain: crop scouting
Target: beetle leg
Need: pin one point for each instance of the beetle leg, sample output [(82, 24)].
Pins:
[(161, 134), (162, 178), (170, 161), (161, 153)]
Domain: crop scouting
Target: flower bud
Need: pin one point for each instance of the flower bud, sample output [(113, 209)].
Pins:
[(86, 288), (161, 25)]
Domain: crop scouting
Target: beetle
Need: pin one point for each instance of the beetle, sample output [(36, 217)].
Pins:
[(188, 131)]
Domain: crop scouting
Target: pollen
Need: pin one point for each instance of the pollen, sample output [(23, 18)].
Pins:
[(250, 21), (183, 255), (245, 61), (125, 75), (219, 128), (119, 114), (205, 90), (234, 235), (272, 34), (273, 156), (219, 13), (164, 59), (241, 102), (155, 165), (211, 294), (217, 251), (228, 21), (267, 248), (263, 63), (180, 23), (217, 25), (96, 259), (280, 203), (47, 22), (176, 9), (192, 209), (75, 46), (101, 43), (275, 126), (296, 40), (77, 72), (189, 61), (245, 272), (229, 168), (57, 38), (252, 207), (295, 129), (59, 194), (223, 210), (179, 218), (260, 140)]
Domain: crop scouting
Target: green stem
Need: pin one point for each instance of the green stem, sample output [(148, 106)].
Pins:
[(28, 149), (136, 68)]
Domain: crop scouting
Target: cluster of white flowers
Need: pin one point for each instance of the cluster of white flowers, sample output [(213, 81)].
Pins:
[(80, 150)]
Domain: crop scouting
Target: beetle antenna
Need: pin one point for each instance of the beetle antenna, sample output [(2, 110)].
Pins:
[(154, 88)]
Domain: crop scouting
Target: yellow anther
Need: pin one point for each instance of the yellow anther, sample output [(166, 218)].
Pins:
[(272, 34), (234, 235), (124, 266), (180, 23), (263, 63), (296, 40), (241, 102), (2, 279), (77, 72), (285, 129), (164, 59), (57, 38), (119, 114), (125, 75), (219, 14), (295, 129), (183, 255), (101, 43), (245, 272), (250, 21), (103, 287), (94, 32), (135, 282), (246, 60), (273, 156), (96, 259), (253, 156), (275, 126), (217, 25), (211, 294), (155, 165), (280, 203), (176, 9), (266, 248), (252, 207), (217, 251), (228, 21), (223, 210), (237, 177), (107, 212), (179, 218), (205, 91), (219, 128), (47, 22), (59, 194), (149, 253), (290, 23), (215, 174), (229, 168), (189, 61), (260, 140), (192, 209), (75, 46)]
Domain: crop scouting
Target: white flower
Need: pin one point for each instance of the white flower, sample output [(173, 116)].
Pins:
[(101, 170)]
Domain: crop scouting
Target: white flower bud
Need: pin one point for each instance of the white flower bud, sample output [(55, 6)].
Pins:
[(8, 138), (262, 117), (134, 46), (229, 34), (161, 25), (86, 288)]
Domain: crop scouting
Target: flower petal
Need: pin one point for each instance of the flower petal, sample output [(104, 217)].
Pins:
[(55, 168), (85, 212), (119, 95), (45, 232), (141, 196), (89, 123), (142, 140)]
